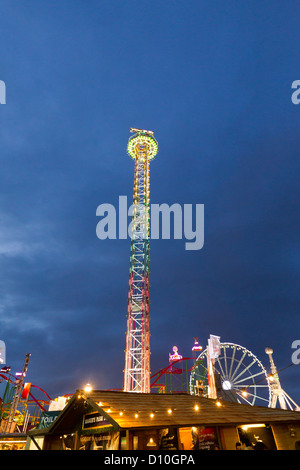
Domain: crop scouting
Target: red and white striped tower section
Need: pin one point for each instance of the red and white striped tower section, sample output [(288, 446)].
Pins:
[(142, 148)]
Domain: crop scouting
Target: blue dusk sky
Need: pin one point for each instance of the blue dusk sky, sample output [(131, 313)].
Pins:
[(213, 81)]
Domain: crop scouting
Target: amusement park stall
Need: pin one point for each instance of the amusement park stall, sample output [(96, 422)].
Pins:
[(13, 441), (116, 420)]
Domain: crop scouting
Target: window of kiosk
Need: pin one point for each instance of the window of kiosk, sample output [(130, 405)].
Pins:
[(199, 438), (257, 436)]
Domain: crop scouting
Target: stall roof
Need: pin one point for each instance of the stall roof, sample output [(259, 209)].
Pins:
[(141, 410), (144, 410)]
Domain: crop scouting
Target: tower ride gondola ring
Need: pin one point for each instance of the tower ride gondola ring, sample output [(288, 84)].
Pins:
[(142, 139), (239, 374)]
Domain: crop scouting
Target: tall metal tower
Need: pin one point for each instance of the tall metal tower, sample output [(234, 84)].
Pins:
[(17, 395), (142, 147), (277, 393)]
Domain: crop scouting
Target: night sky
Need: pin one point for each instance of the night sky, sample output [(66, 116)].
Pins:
[(213, 81)]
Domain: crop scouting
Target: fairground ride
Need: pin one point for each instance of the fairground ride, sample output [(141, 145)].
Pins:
[(239, 376), (27, 412), (142, 148), (175, 377), (279, 396)]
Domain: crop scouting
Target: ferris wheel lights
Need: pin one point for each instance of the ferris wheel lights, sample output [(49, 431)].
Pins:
[(226, 385), (236, 365)]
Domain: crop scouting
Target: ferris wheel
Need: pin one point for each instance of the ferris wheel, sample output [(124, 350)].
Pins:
[(240, 376)]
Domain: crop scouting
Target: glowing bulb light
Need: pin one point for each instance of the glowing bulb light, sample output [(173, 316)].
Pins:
[(88, 388)]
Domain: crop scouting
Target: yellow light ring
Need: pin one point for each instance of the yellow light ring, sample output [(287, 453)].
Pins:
[(142, 139)]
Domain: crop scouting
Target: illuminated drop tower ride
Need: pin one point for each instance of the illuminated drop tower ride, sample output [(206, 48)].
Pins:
[(142, 147)]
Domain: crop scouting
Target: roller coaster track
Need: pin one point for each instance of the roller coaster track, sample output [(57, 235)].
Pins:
[(167, 370), (8, 379)]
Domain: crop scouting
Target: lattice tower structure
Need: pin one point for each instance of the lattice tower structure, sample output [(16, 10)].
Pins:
[(142, 147)]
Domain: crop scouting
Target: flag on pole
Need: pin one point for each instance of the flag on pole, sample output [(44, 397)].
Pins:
[(213, 352), (214, 346)]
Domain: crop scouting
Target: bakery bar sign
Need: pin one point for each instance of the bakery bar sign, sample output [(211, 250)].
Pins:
[(94, 420)]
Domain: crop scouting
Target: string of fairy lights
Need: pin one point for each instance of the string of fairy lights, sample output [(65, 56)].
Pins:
[(136, 414), (219, 403)]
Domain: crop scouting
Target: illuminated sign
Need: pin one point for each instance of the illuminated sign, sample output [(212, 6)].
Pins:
[(94, 420)]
